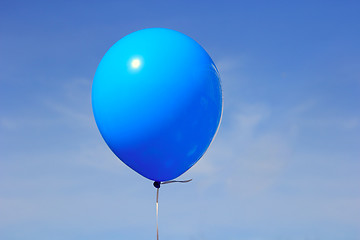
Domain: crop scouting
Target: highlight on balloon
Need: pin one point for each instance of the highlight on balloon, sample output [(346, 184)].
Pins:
[(135, 63)]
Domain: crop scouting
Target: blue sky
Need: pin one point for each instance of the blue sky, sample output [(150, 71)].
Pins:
[(284, 164)]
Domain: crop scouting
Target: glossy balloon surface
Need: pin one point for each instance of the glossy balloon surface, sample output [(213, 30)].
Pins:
[(157, 102)]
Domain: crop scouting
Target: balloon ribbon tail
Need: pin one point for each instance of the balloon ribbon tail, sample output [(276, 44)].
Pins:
[(157, 186)]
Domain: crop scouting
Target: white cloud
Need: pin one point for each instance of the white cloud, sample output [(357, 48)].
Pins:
[(245, 161), (228, 64)]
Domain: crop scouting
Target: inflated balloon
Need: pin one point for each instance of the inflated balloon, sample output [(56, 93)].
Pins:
[(157, 102)]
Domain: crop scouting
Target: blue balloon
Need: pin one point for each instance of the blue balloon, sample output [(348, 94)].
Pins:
[(157, 102)]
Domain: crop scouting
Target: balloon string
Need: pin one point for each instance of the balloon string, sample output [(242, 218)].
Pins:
[(157, 186), (157, 213)]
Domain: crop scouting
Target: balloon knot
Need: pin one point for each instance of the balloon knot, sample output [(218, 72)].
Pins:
[(157, 184)]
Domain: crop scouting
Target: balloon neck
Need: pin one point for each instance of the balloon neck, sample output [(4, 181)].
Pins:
[(157, 184)]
